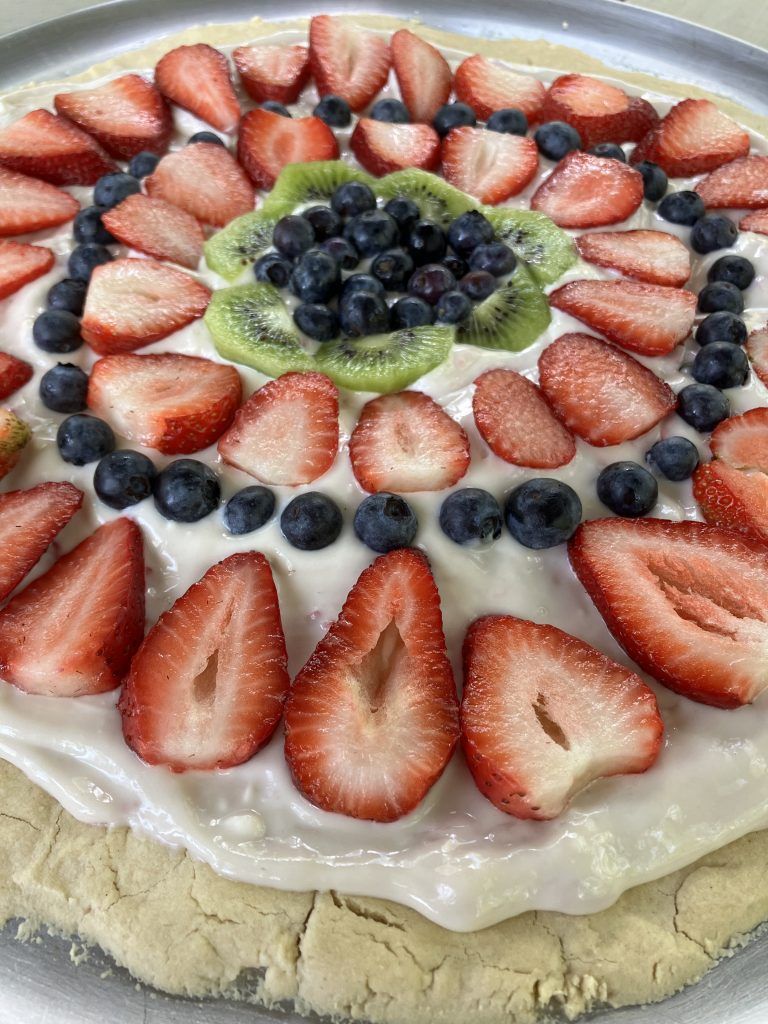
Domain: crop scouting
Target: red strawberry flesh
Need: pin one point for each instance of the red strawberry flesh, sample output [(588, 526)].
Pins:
[(741, 184), (491, 166), (20, 264), (599, 111), (268, 142), (488, 86), (52, 148), (587, 191), (382, 147), (655, 257), (156, 228), (271, 72), (733, 498), (694, 137), (14, 374), (423, 74), (205, 181), (197, 78), (27, 204), (346, 61)]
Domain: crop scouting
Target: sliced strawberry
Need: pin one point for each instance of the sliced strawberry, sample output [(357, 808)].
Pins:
[(14, 436), (586, 191), (599, 111), (126, 115), (14, 374), (757, 350), (49, 147), (74, 630), (742, 441), (29, 520), (205, 181), (268, 141), (652, 256), (382, 147), (207, 687), (544, 714), (197, 78), (131, 303), (487, 86), (271, 72), (692, 138), (742, 184), (423, 74), (491, 166), (157, 228), (27, 204), (644, 318), (346, 61), (757, 221), (287, 432), (21, 263), (732, 498), (406, 442), (372, 718), (600, 393), (516, 421)]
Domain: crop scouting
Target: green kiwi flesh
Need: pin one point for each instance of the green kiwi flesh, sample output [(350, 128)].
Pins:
[(385, 362), (306, 184), (546, 250), (436, 199), (512, 318), (240, 243)]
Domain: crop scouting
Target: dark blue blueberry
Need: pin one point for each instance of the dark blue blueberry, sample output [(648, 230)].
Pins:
[(353, 197), (64, 388), (720, 296), (84, 259), (453, 115), (143, 164), (210, 137), (362, 314), (326, 223), (471, 516), (478, 285), (426, 242), (681, 207), (342, 251), (655, 181), (316, 277), (317, 321), (293, 235), (735, 270), (556, 139), (713, 231), (674, 457), (68, 295), (722, 326), (457, 266), (385, 521), (88, 226), (83, 439), (542, 513), (372, 232), (272, 268), (124, 478), (361, 283), (275, 108), (495, 258), (56, 330), (311, 521), (509, 121), (430, 282), (249, 509), (112, 189), (627, 489), (393, 269), (609, 151), (702, 407), (469, 230), (410, 312), (186, 490), (334, 110), (452, 307), (404, 212), (394, 111), (722, 365)]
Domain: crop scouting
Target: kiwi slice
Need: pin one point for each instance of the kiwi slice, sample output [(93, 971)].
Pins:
[(240, 243), (534, 238), (251, 324), (385, 362), (512, 318), (300, 184), (437, 200)]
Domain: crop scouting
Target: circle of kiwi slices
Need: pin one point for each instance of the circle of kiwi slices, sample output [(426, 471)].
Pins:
[(536, 240), (511, 318)]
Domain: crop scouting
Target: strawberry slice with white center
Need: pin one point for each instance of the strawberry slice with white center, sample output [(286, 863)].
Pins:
[(177, 404), (131, 303), (14, 374), (74, 630), (757, 349), (205, 181), (517, 423), (757, 222), (157, 228), (21, 263), (287, 432), (268, 142), (423, 74), (382, 147), (741, 184), (197, 78), (544, 714), (587, 191), (655, 257), (45, 146), (600, 393), (372, 718), (694, 137), (14, 436), (487, 86), (271, 72), (126, 115), (742, 441), (29, 521), (491, 166), (599, 111), (206, 688), (733, 499), (347, 61), (27, 204), (407, 442), (645, 318)]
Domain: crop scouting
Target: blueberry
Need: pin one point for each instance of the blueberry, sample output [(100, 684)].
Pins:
[(342, 251), (556, 139), (311, 521), (410, 312), (210, 137), (293, 235), (272, 268), (509, 121), (353, 197), (471, 516), (385, 521), (495, 258), (68, 295), (361, 283), (721, 364), (317, 321), (404, 212), (426, 242), (275, 108), (335, 111), (722, 326), (143, 164), (609, 150), (453, 115), (326, 223), (372, 232), (702, 406), (735, 270), (394, 111), (457, 266), (478, 285), (627, 489), (84, 259), (64, 388), (316, 277), (468, 231), (452, 307), (112, 189), (88, 226), (56, 330), (124, 478), (713, 231), (674, 457), (362, 314), (393, 269), (542, 512), (186, 490), (249, 509), (82, 439), (655, 181), (681, 207), (430, 282), (720, 296)]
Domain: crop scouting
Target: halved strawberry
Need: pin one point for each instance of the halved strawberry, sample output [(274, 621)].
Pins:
[(599, 111), (272, 72), (157, 228), (268, 141), (177, 404), (517, 423), (21, 263), (287, 432), (644, 318), (742, 184), (757, 350), (382, 147), (346, 61), (207, 686), (197, 78), (587, 191), (732, 498), (126, 115), (600, 393), (14, 374), (742, 441), (27, 204), (656, 257), (757, 221), (132, 302), (692, 138), (544, 714), (29, 520), (74, 630), (14, 436), (49, 147), (372, 718), (406, 442), (205, 181), (491, 166), (487, 86), (423, 74), (687, 601)]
